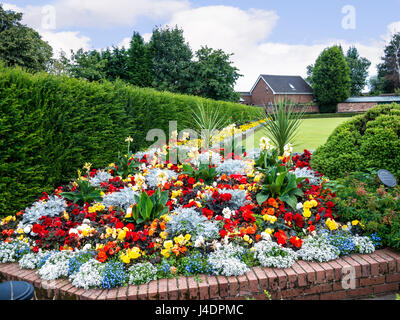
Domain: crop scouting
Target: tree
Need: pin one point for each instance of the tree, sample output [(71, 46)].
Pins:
[(331, 79), (389, 69), (116, 64), (358, 71), (139, 62), (310, 69), (215, 76), (172, 60), (87, 65), (20, 45)]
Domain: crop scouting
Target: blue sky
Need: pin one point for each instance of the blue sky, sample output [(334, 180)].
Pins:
[(270, 37)]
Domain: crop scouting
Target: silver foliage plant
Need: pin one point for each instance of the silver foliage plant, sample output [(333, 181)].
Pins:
[(52, 207), (189, 220), (100, 177), (121, 199), (232, 166)]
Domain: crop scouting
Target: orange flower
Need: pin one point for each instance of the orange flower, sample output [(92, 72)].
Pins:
[(251, 230), (224, 177), (101, 256), (272, 202), (271, 211), (162, 226), (258, 237)]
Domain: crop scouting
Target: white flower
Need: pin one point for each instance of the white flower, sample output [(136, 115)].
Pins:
[(265, 236), (299, 206), (199, 242), (87, 247), (227, 213), (28, 228)]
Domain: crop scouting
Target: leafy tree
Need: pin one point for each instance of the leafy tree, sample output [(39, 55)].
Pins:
[(172, 60), (87, 65), (331, 79), (116, 63), (389, 69), (139, 62), (215, 76), (376, 85), (21, 45), (310, 69), (358, 71)]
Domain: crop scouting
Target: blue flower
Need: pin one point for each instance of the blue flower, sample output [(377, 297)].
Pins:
[(114, 275), (343, 242), (196, 264), (77, 261), (376, 240)]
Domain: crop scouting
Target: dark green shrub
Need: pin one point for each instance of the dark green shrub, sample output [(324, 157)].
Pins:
[(371, 140), (361, 196), (50, 126)]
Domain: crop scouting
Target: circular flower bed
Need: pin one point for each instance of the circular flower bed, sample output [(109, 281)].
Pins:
[(144, 218)]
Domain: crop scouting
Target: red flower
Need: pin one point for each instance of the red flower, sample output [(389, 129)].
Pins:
[(191, 181), (37, 228), (226, 197), (130, 226), (296, 242), (288, 216), (119, 225), (208, 213), (281, 237), (223, 233)]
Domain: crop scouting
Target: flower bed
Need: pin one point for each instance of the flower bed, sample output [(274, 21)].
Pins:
[(143, 219)]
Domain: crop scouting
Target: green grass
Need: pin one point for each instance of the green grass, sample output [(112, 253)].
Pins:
[(312, 133)]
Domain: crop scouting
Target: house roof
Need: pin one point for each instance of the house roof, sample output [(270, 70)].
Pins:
[(287, 84), (378, 99)]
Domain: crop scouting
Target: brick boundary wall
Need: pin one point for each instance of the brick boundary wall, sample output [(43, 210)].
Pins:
[(355, 106), (376, 274)]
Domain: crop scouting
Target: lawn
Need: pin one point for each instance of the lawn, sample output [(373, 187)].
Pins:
[(312, 133)]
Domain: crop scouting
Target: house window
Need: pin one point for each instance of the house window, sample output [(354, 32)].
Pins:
[(266, 89)]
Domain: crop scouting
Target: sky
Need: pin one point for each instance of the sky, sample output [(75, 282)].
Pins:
[(265, 37)]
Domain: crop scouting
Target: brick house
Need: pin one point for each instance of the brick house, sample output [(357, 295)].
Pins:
[(270, 88)]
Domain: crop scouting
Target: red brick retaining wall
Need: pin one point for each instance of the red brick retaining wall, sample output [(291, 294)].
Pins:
[(375, 274)]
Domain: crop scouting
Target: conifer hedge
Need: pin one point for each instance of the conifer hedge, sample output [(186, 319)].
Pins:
[(50, 126)]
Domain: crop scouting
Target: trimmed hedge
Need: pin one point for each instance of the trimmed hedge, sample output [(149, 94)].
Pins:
[(371, 140), (51, 125)]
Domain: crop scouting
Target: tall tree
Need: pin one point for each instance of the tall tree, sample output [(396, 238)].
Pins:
[(389, 69), (172, 60), (116, 63), (214, 75), (20, 45), (331, 79), (139, 62), (358, 71), (87, 65)]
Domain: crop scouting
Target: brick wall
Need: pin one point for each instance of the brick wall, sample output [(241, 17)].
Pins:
[(355, 106), (377, 274)]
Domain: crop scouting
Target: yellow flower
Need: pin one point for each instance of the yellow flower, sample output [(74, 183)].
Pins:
[(134, 253), (188, 237), (121, 235), (168, 244), (306, 213), (179, 239), (163, 234), (355, 222), (314, 203), (125, 258), (166, 253), (246, 238), (331, 224), (269, 231), (345, 227)]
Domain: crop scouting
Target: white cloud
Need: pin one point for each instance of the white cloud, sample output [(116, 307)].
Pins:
[(66, 41), (245, 33)]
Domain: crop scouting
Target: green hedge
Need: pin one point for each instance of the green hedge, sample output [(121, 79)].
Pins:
[(371, 140), (51, 125)]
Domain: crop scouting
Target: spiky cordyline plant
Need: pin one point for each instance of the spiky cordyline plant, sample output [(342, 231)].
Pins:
[(284, 122), (208, 120)]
